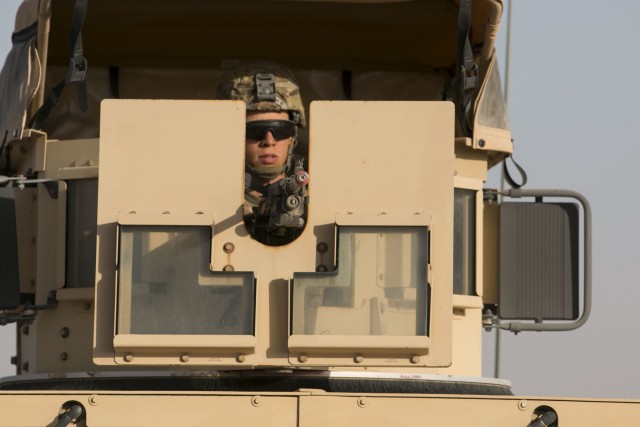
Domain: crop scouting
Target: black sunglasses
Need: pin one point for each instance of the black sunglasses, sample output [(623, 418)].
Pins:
[(281, 129)]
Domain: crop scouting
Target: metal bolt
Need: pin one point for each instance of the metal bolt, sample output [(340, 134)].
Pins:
[(522, 405), (184, 358), (228, 247), (481, 143), (128, 357), (362, 402), (256, 400), (302, 358), (240, 358), (93, 400), (64, 356), (228, 267), (64, 332), (322, 247), (321, 268), (358, 359), (414, 359)]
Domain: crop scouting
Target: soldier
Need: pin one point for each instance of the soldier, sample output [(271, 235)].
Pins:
[(274, 112)]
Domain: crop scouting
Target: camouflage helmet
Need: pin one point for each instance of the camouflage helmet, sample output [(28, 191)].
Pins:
[(263, 86)]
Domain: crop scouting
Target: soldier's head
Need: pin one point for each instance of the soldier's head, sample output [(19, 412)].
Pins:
[(274, 112)]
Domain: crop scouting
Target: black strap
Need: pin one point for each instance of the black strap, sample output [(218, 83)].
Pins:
[(466, 79), (347, 86), (75, 73), (507, 175)]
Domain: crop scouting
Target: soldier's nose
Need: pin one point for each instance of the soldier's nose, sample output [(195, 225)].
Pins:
[(268, 138)]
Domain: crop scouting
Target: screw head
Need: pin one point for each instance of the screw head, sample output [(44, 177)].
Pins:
[(302, 358), (184, 358), (522, 405), (358, 359), (240, 358), (415, 359), (128, 357), (362, 402), (228, 267), (322, 268), (64, 332), (64, 356), (228, 247), (322, 247)]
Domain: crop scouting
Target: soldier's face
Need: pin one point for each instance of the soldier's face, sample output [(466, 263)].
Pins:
[(267, 151)]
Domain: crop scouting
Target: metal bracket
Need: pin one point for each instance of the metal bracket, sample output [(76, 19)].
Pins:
[(29, 311), (265, 87)]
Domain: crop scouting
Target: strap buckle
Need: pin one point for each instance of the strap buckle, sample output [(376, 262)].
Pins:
[(76, 71)]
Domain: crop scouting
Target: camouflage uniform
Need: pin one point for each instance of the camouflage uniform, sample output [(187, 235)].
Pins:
[(263, 86)]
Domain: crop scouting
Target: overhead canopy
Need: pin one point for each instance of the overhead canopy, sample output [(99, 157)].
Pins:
[(406, 38), (201, 33)]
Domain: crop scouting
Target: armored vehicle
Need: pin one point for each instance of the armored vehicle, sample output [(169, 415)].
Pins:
[(146, 291)]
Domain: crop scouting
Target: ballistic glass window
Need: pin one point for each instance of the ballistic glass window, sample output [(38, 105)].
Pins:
[(82, 214), (9, 275), (464, 242), (165, 285), (379, 288)]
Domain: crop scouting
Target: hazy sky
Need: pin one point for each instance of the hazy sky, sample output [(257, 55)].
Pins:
[(573, 109)]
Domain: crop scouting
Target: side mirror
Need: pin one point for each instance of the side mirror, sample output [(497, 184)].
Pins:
[(539, 261)]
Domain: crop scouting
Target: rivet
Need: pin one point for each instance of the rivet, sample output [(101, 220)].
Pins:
[(256, 400), (93, 400), (64, 356), (228, 247), (362, 402), (184, 358), (240, 358), (322, 247), (358, 359), (321, 268), (228, 267), (522, 405), (414, 359), (128, 357), (302, 358), (64, 332)]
